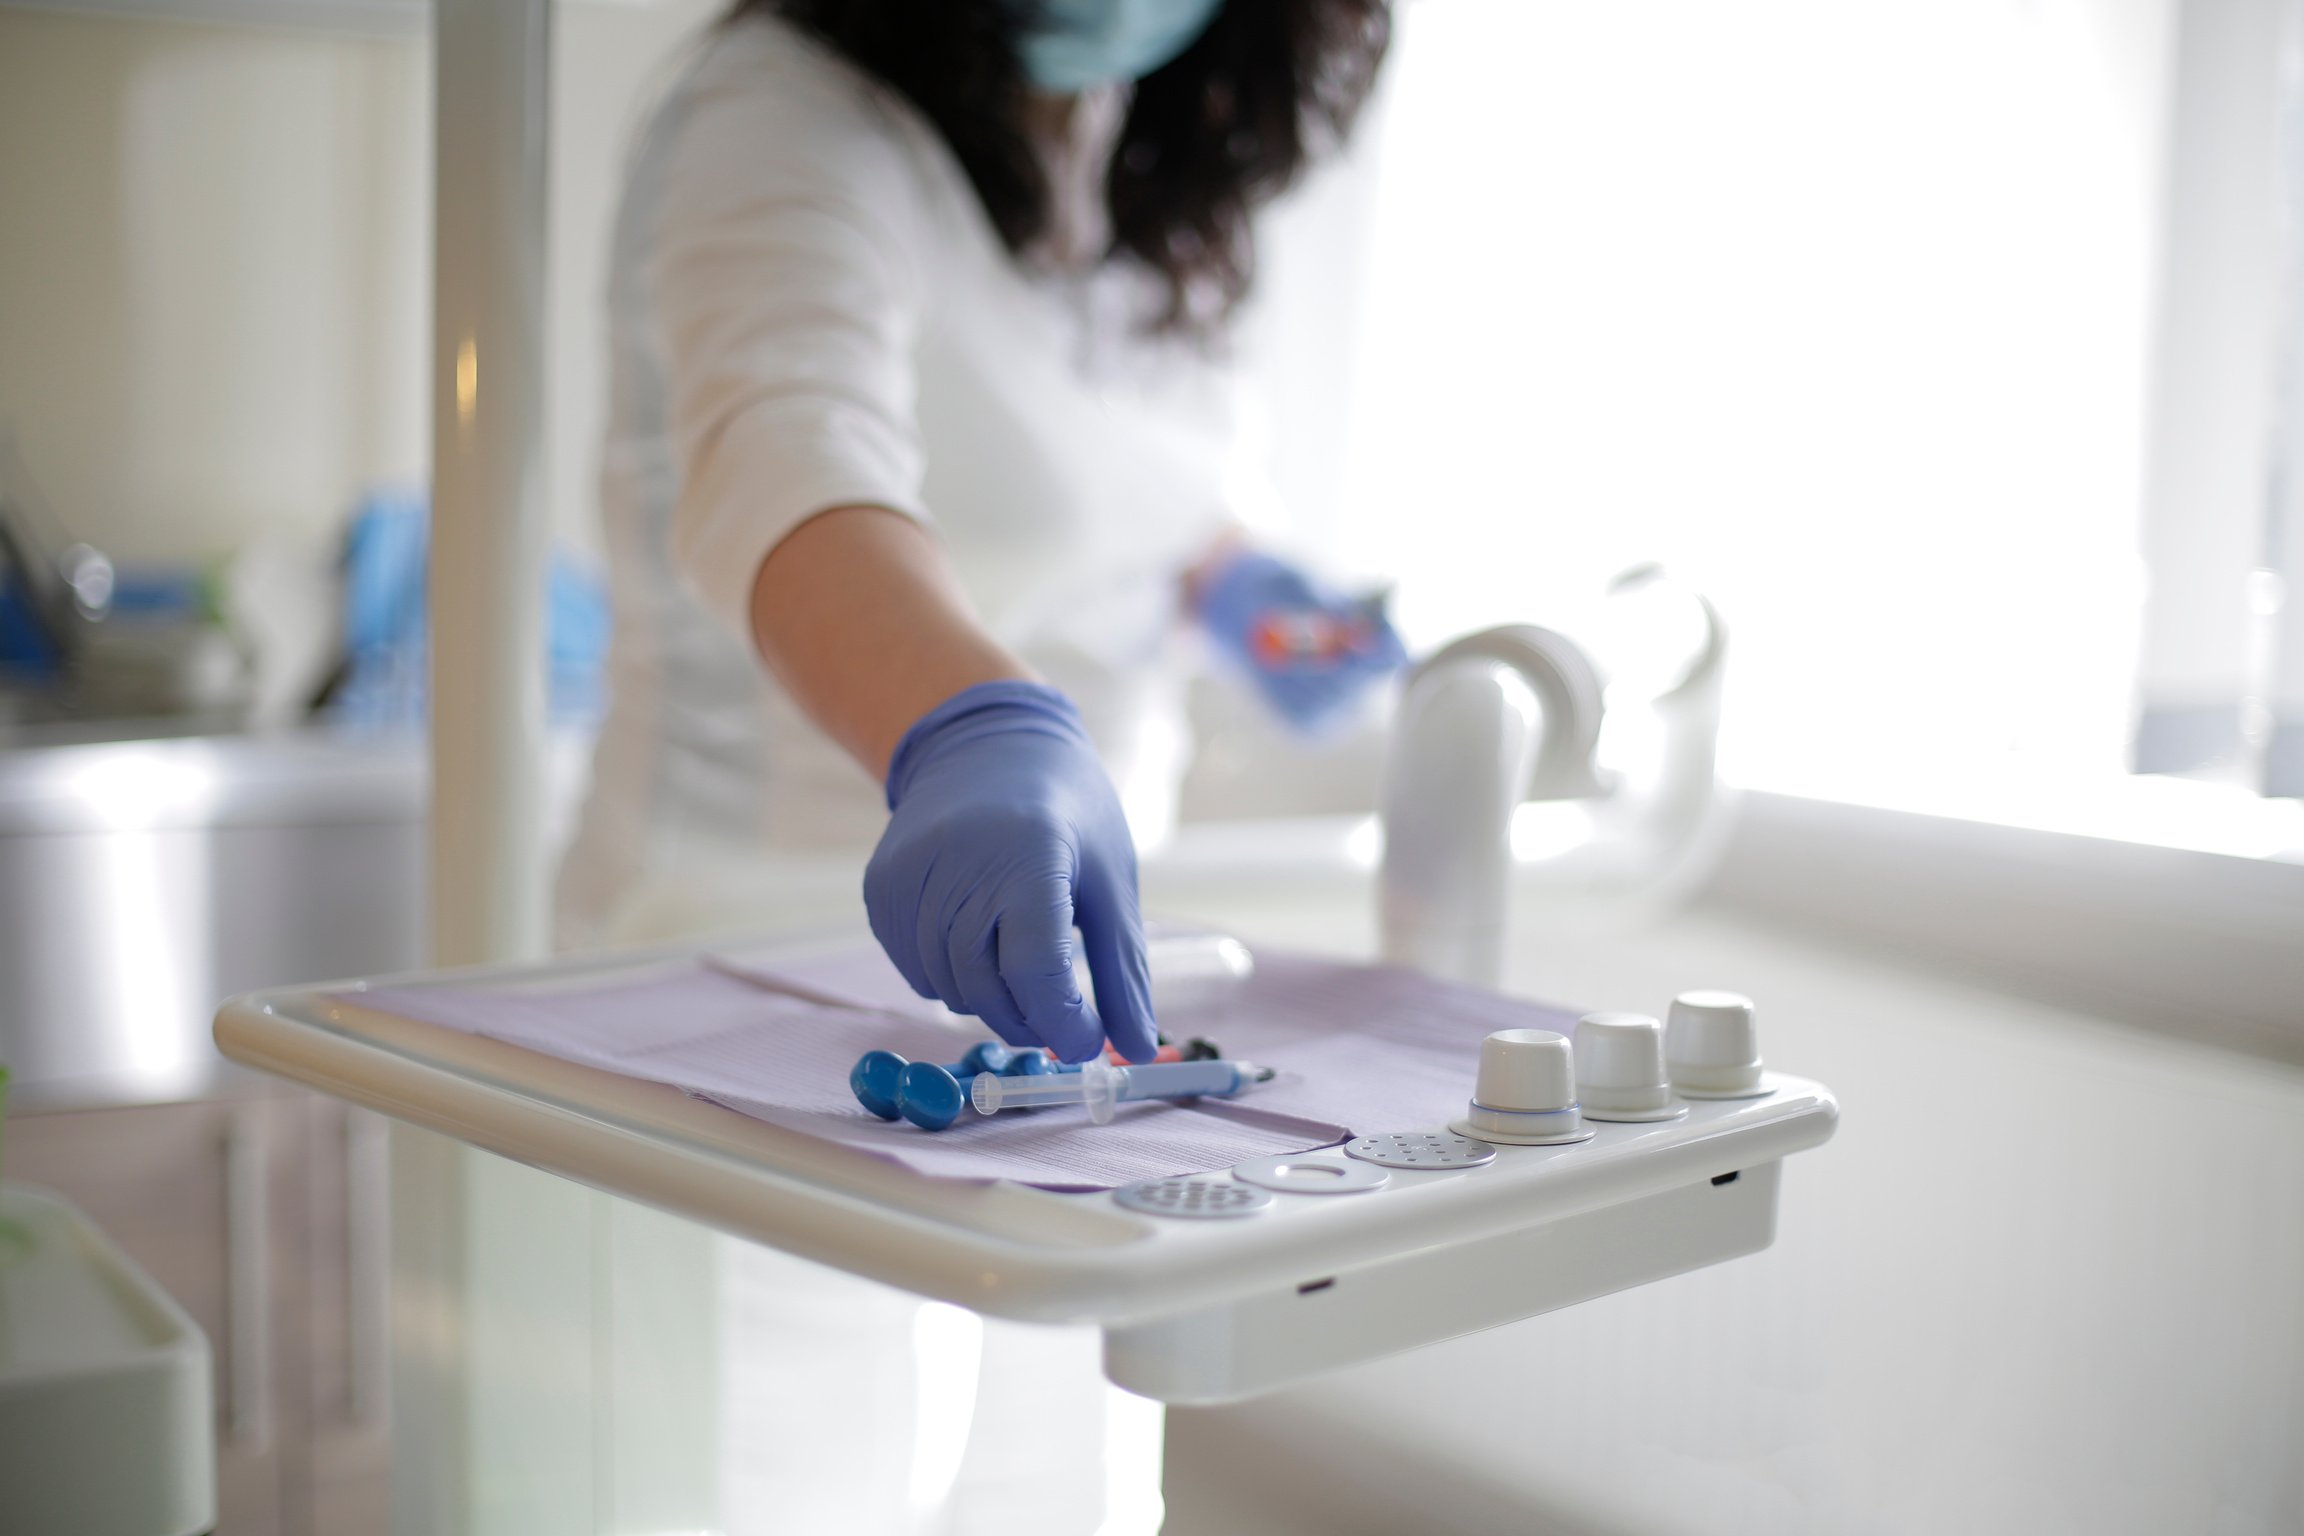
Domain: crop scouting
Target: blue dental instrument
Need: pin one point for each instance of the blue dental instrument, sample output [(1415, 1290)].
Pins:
[(1103, 1088)]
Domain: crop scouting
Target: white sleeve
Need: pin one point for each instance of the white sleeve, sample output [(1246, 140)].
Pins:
[(785, 280)]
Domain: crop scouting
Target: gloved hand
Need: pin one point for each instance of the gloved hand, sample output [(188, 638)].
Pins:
[(1312, 653), (1005, 834)]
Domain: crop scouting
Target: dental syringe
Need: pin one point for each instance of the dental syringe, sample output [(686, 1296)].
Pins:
[(1104, 1087)]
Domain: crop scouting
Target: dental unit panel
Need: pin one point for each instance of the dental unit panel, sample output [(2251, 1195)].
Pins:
[(1285, 1334)]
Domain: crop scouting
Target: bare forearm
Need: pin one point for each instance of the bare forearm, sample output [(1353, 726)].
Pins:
[(858, 615)]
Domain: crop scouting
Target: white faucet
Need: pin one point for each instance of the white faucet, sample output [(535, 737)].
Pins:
[(1516, 714)]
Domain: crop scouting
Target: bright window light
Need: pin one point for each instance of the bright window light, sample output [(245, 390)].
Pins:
[(1839, 311)]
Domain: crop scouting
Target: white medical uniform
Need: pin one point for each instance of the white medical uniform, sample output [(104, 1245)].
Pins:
[(810, 309)]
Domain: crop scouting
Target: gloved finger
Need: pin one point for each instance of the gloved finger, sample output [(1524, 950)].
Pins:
[(1312, 702), (932, 936), (1379, 646), (892, 925), (997, 1008), (1112, 931), (975, 957), (1289, 588), (1303, 700), (1361, 674), (1035, 956)]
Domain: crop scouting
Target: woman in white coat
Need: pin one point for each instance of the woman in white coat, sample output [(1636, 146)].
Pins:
[(917, 447), (916, 461)]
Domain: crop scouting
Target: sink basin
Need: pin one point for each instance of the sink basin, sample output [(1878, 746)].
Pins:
[(142, 879)]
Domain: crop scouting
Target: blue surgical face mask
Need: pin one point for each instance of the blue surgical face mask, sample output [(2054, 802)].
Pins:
[(1071, 45)]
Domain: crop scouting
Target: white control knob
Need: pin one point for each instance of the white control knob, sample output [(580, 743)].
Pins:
[(1712, 1048), (1526, 1092), (1620, 1068)]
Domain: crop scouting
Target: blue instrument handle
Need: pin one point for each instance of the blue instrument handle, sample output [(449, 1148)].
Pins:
[(1179, 1080)]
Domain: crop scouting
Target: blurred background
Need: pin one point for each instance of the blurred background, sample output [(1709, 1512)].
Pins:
[(1954, 350)]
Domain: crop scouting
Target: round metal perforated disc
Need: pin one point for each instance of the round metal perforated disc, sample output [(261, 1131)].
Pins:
[(1312, 1175), (1195, 1198), (1421, 1149)]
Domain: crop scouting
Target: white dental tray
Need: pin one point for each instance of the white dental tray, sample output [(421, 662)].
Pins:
[(1193, 1310)]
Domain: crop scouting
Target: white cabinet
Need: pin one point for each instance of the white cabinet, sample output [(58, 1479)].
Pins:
[(262, 1213)]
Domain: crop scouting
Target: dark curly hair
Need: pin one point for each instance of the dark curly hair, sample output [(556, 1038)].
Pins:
[(1210, 136)]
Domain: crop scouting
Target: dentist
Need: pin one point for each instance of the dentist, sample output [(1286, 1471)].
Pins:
[(918, 435)]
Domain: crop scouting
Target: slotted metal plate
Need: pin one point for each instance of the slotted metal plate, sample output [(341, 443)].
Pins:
[(1430, 1150), (1195, 1199)]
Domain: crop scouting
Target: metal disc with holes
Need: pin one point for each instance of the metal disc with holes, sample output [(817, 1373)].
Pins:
[(1421, 1149), (1305, 1174), (1192, 1198)]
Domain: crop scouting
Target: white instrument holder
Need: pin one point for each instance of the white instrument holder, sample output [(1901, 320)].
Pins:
[(1193, 1310)]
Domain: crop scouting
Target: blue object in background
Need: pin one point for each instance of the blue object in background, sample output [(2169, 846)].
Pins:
[(160, 594), (34, 645), (27, 653), (387, 626), (1312, 653)]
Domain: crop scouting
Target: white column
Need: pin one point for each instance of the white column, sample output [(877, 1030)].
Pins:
[(490, 531), (492, 1389)]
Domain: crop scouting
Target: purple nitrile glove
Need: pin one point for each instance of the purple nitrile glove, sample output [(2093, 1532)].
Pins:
[(1004, 835), (1311, 652)]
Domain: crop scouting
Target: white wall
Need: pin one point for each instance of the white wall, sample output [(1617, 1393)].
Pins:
[(209, 297), (215, 256), (610, 63)]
